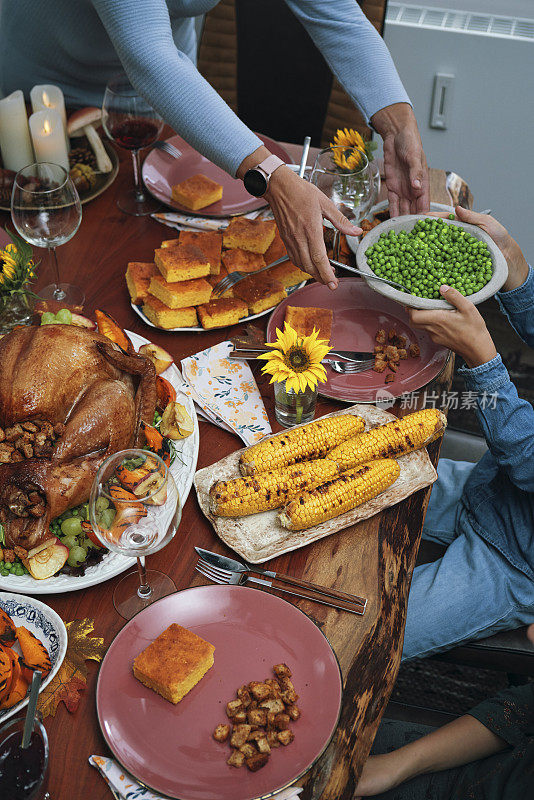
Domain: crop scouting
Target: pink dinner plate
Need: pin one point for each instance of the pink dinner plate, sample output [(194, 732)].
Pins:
[(161, 172), (170, 748), (358, 312)]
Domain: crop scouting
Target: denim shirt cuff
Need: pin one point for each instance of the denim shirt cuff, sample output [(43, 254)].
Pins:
[(520, 299), (486, 377)]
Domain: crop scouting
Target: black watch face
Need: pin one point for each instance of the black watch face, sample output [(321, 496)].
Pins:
[(255, 182)]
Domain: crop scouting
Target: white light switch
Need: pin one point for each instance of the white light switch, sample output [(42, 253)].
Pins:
[(441, 100)]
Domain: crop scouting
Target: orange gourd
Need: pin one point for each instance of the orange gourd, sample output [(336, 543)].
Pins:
[(110, 328), (165, 393), (157, 443), (8, 633), (34, 653), (17, 693), (7, 661)]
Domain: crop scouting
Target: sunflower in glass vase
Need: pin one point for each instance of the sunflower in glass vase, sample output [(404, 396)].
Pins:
[(17, 271), (294, 364)]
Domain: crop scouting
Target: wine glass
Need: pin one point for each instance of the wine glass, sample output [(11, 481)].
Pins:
[(344, 175), (46, 211), (135, 510), (131, 123)]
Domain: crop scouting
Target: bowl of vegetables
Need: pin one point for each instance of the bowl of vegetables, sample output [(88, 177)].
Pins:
[(422, 253)]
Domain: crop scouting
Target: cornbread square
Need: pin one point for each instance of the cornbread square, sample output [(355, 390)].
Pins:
[(213, 280), (210, 242), (219, 313), (181, 263), (170, 243), (249, 234), (164, 317), (276, 249), (305, 319), (138, 275), (238, 260), (196, 192), (259, 293), (174, 662), (288, 274), (182, 293)]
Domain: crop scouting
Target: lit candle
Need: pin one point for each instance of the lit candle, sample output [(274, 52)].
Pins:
[(47, 97), (15, 143), (48, 138)]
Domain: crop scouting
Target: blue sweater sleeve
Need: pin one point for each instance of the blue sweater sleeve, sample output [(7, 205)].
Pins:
[(506, 419), (354, 50), (142, 36), (518, 306)]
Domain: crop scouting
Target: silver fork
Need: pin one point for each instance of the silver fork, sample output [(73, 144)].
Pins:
[(234, 277), (168, 148), (356, 605), (351, 367)]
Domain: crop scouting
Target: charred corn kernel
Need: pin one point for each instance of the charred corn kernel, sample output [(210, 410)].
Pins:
[(241, 496), (391, 440), (341, 494), (301, 444)]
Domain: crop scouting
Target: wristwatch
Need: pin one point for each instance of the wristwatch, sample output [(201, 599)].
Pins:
[(257, 179)]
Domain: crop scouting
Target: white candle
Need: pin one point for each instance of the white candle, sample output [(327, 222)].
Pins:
[(47, 96), (48, 138), (15, 143)]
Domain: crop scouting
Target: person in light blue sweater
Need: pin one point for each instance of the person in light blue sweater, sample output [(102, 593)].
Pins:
[(80, 44)]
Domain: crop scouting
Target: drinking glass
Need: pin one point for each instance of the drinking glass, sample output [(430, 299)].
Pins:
[(46, 211), (135, 510), (132, 124), (23, 773), (351, 189)]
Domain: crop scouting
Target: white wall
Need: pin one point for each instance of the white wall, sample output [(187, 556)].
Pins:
[(508, 8), (490, 135)]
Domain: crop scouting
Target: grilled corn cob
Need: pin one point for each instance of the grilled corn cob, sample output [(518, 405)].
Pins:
[(241, 496), (391, 440), (350, 489), (302, 444)]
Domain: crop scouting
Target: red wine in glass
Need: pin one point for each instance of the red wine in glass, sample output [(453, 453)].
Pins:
[(132, 124)]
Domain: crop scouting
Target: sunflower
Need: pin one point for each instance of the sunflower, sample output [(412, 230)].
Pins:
[(350, 145), (16, 265), (348, 137), (296, 360)]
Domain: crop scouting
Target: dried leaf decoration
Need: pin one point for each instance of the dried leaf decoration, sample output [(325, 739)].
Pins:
[(71, 677)]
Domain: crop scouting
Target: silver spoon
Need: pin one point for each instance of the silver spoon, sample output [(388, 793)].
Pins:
[(304, 157), (372, 276), (30, 711)]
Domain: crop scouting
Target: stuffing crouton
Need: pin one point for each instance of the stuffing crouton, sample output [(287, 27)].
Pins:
[(392, 354), (274, 705), (379, 349), (401, 342), (392, 366), (285, 737), (263, 745), (272, 739), (380, 336), (390, 377), (274, 687), (248, 750), (257, 761), (221, 733), (281, 721), (289, 696), (239, 735), (379, 365), (257, 716), (260, 691), (240, 717), (271, 716), (237, 759), (414, 351), (282, 671), (244, 695), (402, 353), (392, 334), (233, 707), (293, 712)]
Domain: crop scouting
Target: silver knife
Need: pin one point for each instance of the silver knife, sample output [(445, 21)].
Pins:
[(331, 595), (349, 355)]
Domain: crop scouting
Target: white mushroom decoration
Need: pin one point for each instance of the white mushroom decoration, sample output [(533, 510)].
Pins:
[(81, 123)]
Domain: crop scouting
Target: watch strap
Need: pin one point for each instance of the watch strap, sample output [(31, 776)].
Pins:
[(269, 165)]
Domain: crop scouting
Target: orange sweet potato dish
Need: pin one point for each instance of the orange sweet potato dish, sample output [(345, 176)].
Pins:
[(16, 671)]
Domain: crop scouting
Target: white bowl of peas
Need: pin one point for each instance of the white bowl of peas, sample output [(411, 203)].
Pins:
[(422, 253)]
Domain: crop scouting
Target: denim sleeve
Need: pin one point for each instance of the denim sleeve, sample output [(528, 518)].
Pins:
[(354, 50), (142, 36), (518, 306), (506, 419)]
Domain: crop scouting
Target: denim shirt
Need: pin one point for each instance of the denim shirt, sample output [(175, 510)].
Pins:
[(498, 499)]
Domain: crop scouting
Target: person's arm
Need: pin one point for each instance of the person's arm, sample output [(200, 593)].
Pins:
[(455, 744), (360, 60), (507, 421)]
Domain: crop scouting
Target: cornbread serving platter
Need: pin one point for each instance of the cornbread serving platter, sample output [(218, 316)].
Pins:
[(200, 329), (260, 537), (113, 564)]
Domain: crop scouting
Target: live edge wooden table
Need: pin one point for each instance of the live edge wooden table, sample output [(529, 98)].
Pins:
[(374, 558)]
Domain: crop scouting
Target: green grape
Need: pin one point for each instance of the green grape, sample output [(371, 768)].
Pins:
[(77, 556), (64, 316), (47, 318), (106, 518), (72, 526), (69, 541), (101, 504)]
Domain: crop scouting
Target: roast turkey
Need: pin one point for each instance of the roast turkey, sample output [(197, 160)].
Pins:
[(87, 390)]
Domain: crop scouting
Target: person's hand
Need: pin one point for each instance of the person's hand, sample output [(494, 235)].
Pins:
[(379, 774), (462, 330), (517, 264), (299, 208), (405, 164)]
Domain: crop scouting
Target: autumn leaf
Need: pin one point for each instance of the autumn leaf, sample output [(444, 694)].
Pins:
[(71, 677)]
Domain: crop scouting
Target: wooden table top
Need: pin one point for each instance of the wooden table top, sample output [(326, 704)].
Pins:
[(374, 558)]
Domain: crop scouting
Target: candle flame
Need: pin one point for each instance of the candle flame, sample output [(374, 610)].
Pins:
[(46, 100), (47, 128)]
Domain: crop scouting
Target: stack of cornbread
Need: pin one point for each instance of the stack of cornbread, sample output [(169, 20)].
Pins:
[(175, 290)]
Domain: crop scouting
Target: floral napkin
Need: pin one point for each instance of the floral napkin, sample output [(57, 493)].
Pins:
[(128, 788), (182, 222), (226, 392)]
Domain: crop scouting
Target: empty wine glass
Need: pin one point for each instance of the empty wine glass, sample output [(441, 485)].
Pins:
[(132, 124), (135, 510), (46, 211), (344, 175)]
